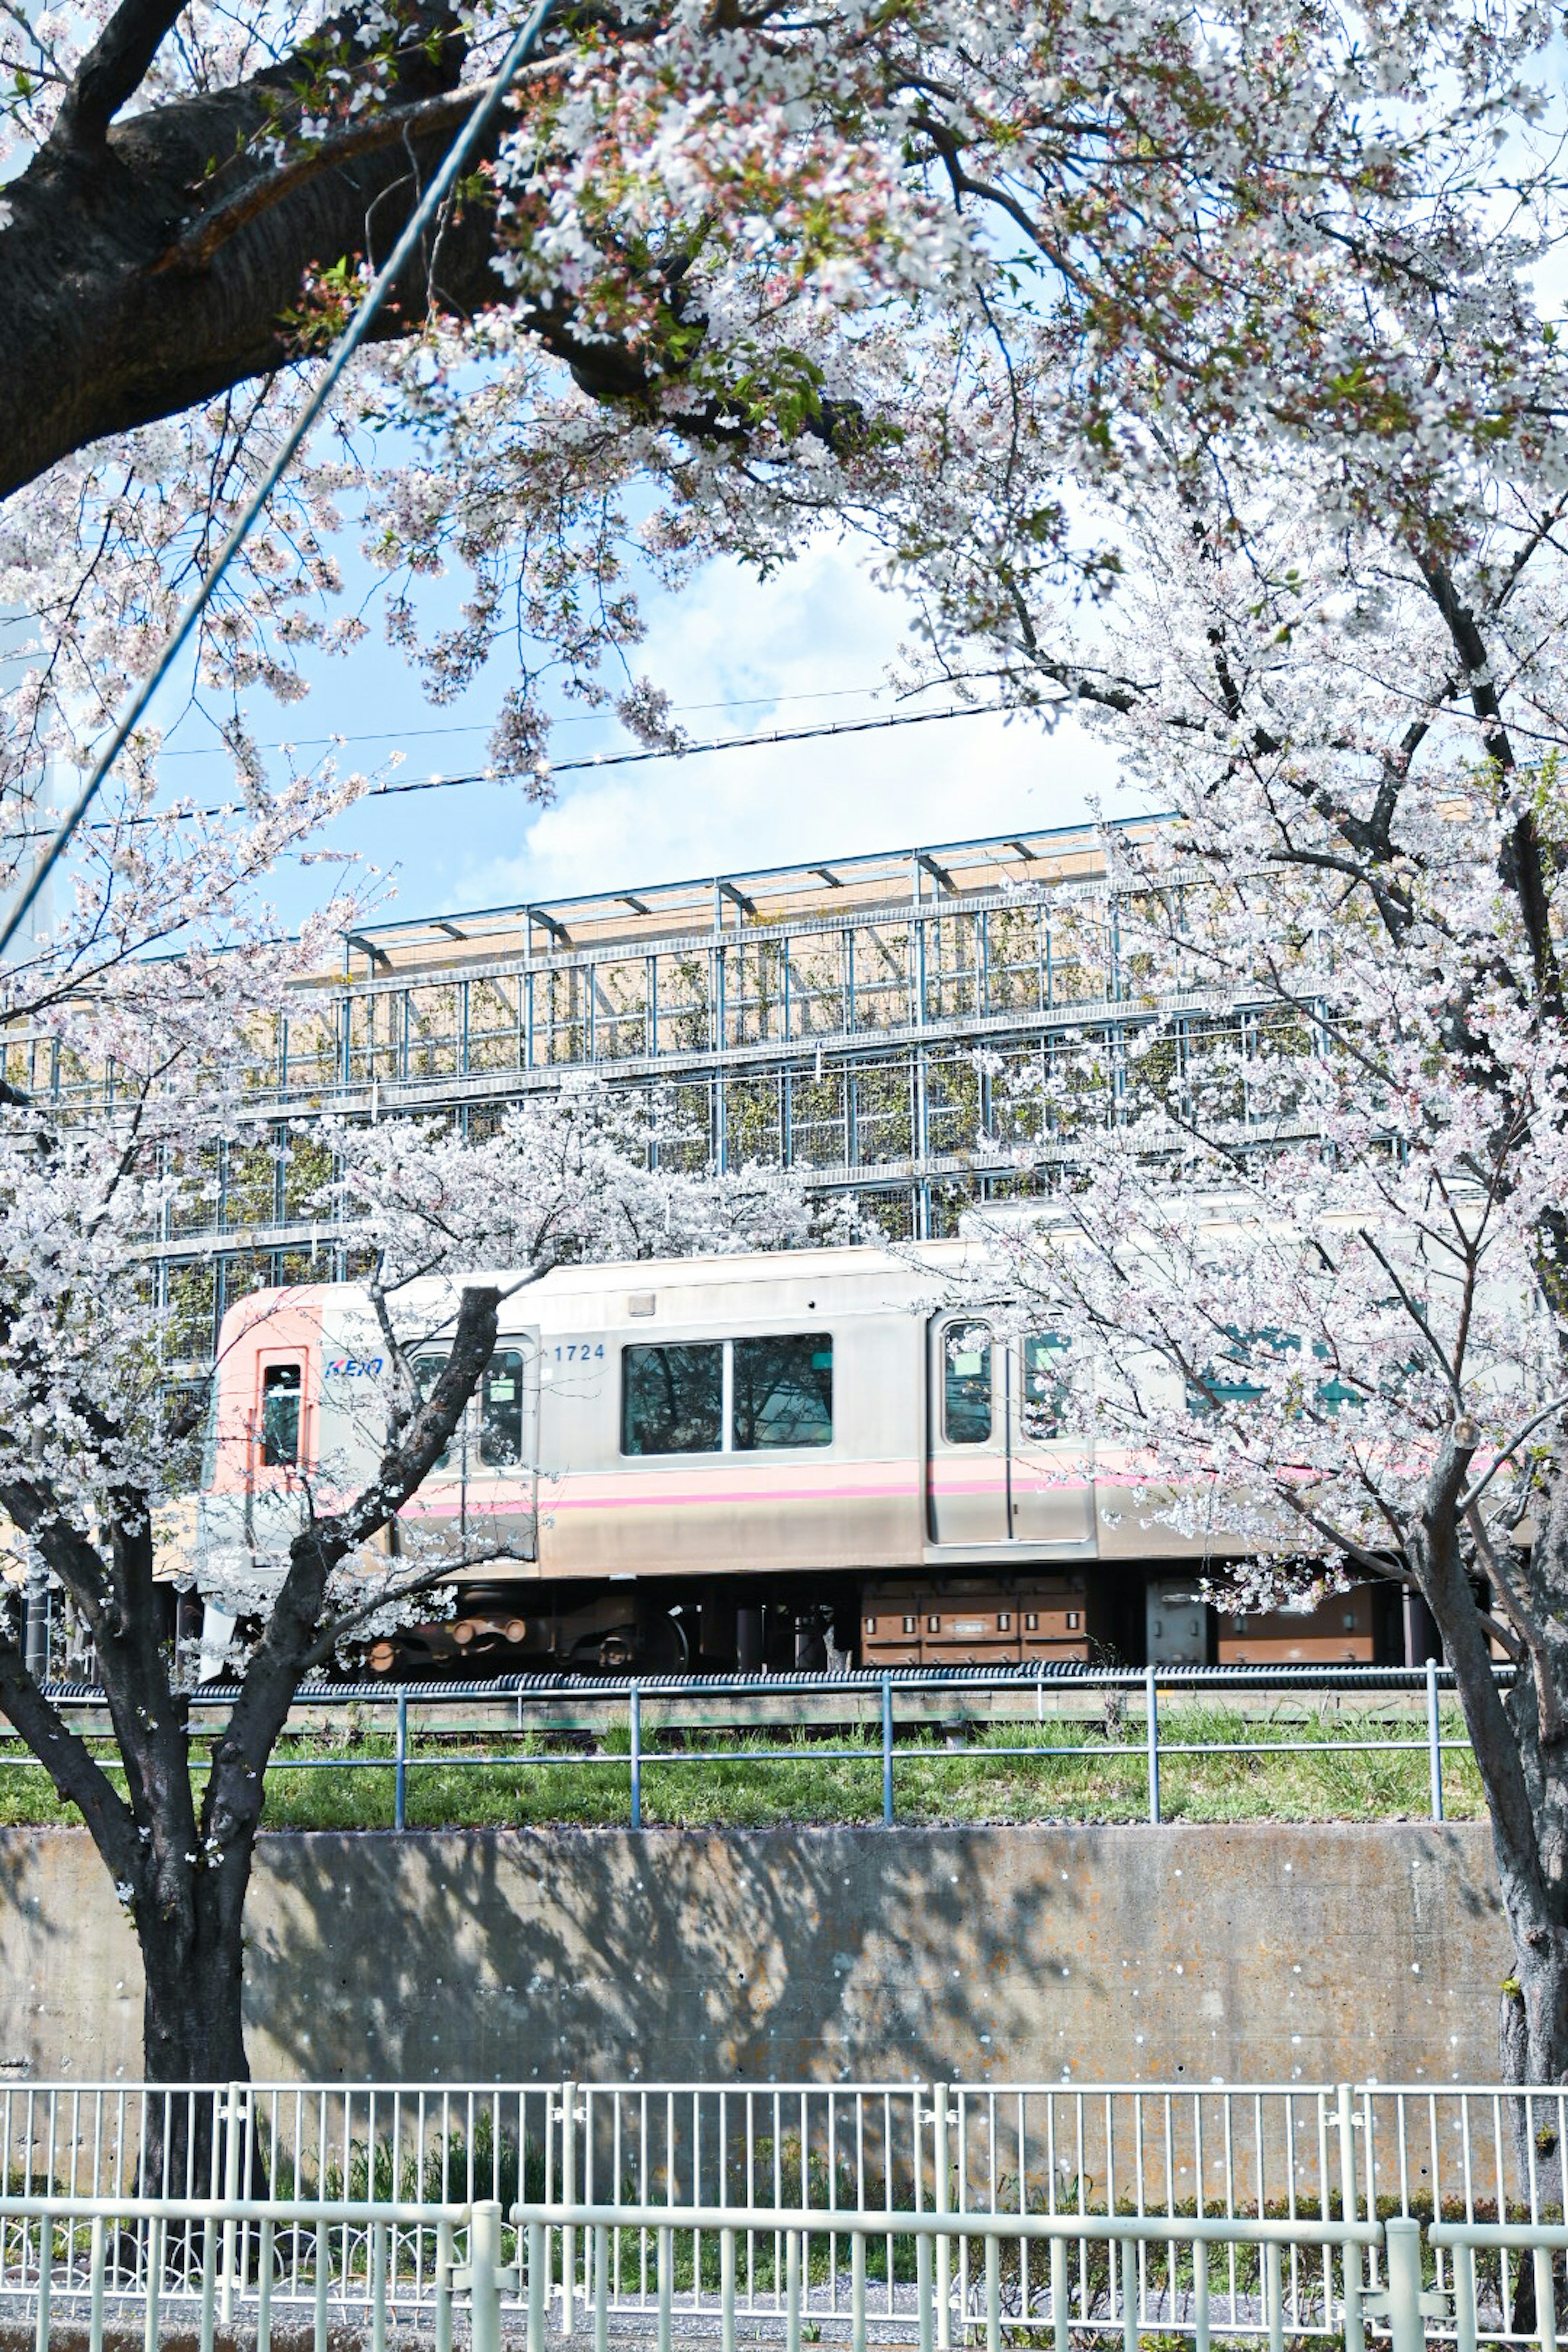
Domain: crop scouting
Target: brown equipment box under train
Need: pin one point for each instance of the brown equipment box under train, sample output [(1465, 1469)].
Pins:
[(956, 1623), (1341, 1631)]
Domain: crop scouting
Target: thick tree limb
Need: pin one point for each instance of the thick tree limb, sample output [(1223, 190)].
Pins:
[(112, 72), (80, 1780)]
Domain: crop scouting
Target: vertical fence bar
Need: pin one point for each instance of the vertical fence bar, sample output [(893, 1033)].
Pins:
[(568, 2190), (1200, 2298), (726, 2289), (444, 2260), (323, 2280), (1434, 1740), (538, 2286), (886, 1751), (633, 1718), (1350, 2256), (1127, 2247), (1464, 2299), (1151, 1725), (1402, 2244), (209, 2284), (484, 2285), (263, 2289), (1273, 2296), (45, 2281), (993, 2294), (601, 2287), (95, 2284), (378, 2287), (233, 2104), (858, 2292), (400, 1776), (151, 2321), (667, 2285), (940, 2203), (923, 2292)]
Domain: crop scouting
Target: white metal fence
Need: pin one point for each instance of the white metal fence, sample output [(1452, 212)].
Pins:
[(1032, 2199)]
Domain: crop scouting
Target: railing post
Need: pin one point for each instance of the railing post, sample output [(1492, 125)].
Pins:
[(886, 1751), (1152, 1713), (634, 1713), (46, 2279), (569, 2195), (445, 2265), (1406, 2327), (400, 1778), (538, 2283), (941, 2203), (484, 2263), (1434, 1740), (233, 2111), (1350, 2209)]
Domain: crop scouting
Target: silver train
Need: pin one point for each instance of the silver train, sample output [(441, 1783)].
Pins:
[(747, 1462)]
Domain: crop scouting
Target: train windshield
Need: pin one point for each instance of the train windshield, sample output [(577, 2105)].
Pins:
[(783, 1392)]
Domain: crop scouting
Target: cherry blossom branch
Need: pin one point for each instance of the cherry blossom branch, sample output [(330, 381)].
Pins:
[(1505, 1453)]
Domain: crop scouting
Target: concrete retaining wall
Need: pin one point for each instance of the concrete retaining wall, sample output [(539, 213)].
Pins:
[(1256, 1953)]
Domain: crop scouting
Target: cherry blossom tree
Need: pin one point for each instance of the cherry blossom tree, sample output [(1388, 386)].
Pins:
[(1188, 369), (94, 1448), (1304, 1246)]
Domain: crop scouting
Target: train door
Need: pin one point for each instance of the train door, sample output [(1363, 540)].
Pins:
[(1051, 1475), (486, 1480), (968, 1408)]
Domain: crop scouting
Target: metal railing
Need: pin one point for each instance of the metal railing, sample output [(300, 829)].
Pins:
[(819, 1703), (1146, 2258), (93, 2262), (1031, 2193)]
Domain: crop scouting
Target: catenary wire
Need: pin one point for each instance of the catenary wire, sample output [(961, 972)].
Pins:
[(349, 342), (595, 759)]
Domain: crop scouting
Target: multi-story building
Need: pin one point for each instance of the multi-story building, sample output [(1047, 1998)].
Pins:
[(859, 1022)]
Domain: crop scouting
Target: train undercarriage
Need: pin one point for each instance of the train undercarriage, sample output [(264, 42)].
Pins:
[(759, 1624)]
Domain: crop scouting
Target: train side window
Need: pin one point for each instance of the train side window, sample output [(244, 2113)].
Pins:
[(427, 1370), (673, 1399), (280, 1389), (1044, 1384), (500, 1411), (966, 1385), (783, 1392)]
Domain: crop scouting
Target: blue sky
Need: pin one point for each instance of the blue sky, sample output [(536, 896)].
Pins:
[(812, 645)]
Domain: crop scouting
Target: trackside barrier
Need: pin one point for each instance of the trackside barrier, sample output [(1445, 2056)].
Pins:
[(1042, 2182), (1130, 2301), (809, 1704), (92, 2262)]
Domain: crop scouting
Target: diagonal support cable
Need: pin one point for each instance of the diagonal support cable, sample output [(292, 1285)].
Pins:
[(353, 334)]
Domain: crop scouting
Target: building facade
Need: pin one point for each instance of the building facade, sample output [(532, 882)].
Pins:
[(862, 1023)]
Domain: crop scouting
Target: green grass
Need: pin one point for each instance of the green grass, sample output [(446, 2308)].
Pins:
[(721, 1786)]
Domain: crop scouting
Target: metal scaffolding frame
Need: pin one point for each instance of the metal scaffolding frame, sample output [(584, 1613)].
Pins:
[(849, 1021)]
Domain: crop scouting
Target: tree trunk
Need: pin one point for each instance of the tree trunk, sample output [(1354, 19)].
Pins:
[(193, 2033)]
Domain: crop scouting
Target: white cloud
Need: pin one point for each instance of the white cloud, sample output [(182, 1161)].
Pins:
[(815, 631)]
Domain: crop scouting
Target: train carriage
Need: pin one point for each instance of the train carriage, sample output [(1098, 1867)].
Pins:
[(734, 1461)]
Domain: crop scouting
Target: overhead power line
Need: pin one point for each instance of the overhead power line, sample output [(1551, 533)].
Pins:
[(439, 783), (425, 211)]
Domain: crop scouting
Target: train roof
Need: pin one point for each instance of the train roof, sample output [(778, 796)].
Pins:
[(603, 1277)]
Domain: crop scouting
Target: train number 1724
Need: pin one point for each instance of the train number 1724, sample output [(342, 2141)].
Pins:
[(578, 1351)]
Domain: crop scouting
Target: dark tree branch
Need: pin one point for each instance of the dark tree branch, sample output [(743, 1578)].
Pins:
[(80, 1780), (111, 72)]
